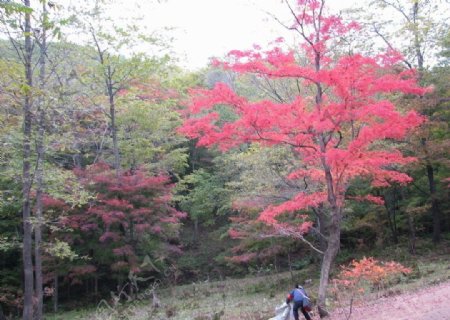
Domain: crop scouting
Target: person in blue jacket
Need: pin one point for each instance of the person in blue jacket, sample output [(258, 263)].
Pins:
[(300, 299)]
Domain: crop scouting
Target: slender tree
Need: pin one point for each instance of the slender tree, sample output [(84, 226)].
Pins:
[(26, 176), (39, 174), (115, 72), (20, 37)]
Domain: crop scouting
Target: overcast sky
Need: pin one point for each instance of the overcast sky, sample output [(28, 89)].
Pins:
[(205, 28)]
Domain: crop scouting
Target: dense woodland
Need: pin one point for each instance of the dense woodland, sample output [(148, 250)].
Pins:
[(115, 161)]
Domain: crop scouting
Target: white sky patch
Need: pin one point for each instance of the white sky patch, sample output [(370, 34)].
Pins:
[(211, 28)]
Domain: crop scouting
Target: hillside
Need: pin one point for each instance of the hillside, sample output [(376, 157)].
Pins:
[(255, 298)]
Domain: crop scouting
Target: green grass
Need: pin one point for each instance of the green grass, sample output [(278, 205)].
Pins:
[(248, 298), (70, 315)]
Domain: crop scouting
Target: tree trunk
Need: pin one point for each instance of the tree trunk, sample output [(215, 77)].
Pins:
[(96, 287), (26, 177), (434, 205), (390, 213), (334, 241), (37, 245), (112, 114), (334, 227), (40, 171), (76, 158), (2, 316), (195, 235), (322, 223), (290, 267), (417, 40), (55, 293), (412, 234), (109, 86), (430, 170)]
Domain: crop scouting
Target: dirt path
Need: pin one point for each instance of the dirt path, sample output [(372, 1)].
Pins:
[(432, 303)]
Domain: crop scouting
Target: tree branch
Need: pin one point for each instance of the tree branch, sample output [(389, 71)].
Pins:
[(378, 32)]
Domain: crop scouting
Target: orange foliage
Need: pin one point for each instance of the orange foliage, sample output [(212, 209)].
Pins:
[(369, 270)]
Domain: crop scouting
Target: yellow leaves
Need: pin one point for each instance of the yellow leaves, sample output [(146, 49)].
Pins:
[(61, 250)]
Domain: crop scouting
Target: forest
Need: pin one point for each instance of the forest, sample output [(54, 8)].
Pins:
[(132, 187)]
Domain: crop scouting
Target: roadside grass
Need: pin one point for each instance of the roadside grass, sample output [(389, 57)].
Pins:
[(254, 298), (248, 298)]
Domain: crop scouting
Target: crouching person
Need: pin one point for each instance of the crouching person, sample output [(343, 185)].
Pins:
[(301, 301)]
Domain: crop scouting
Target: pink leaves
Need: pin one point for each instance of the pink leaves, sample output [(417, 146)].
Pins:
[(311, 173), (113, 236), (301, 201), (235, 234), (370, 198), (389, 58), (341, 129), (170, 220), (142, 227), (125, 250)]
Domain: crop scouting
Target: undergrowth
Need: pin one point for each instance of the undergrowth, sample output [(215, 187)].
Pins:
[(254, 298)]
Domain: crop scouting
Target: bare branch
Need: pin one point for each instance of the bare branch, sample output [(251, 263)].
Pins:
[(282, 233), (397, 8), (378, 32), (282, 141)]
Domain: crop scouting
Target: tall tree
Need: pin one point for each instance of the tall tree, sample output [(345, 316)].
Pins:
[(26, 182), (16, 23), (414, 28), (115, 71), (339, 133), (39, 174)]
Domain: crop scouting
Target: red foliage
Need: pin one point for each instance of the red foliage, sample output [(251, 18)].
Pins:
[(235, 234), (249, 231), (82, 270), (125, 209), (118, 204), (52, 203), (370, 198), (76, 273), (336, 134), (126, 250), (113, 236)]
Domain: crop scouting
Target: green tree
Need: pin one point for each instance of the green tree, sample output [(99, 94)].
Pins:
[(415, 29), (118, 56), (16, 21)]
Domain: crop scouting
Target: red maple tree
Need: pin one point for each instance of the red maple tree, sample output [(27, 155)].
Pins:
[(128, 212), (340, 132)]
